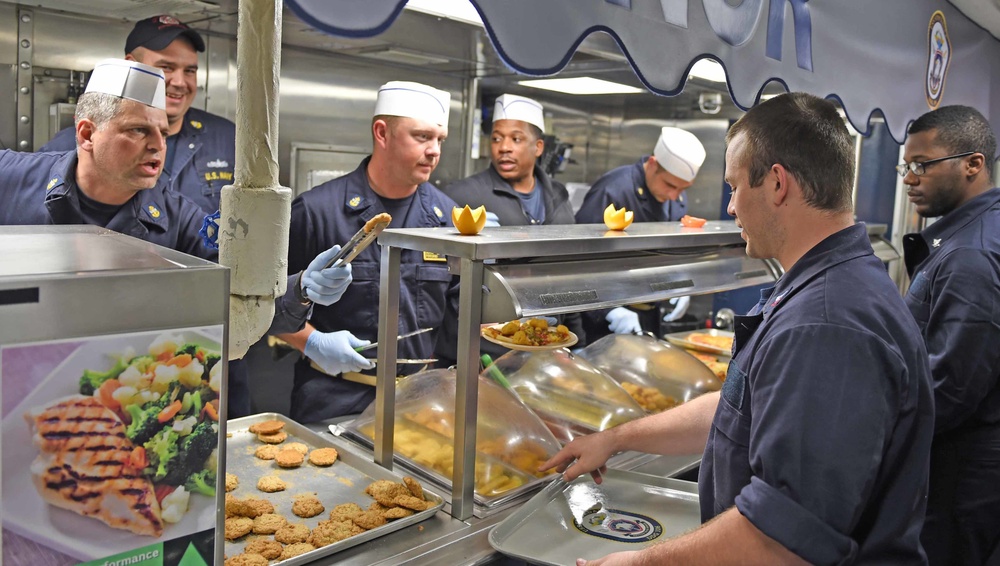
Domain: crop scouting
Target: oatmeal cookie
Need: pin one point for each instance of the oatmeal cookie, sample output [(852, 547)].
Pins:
[(298, 447), (295, 549), (289, 459), (247, 559), (323, 456), (265, 547), (268, 524), (306, 506), (232, 482), (267, 452), (292, 533), (238, 527), (271, 484), (267, 427), (276, 438)]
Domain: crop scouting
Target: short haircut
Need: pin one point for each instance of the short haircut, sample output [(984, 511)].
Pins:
[(535, 131), (806, 135), (98, 107), (390, 122), (960, 129)]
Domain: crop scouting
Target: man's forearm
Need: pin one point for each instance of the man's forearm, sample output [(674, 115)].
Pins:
[(298, 339)]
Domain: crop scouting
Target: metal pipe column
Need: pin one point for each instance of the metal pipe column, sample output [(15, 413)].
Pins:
[(253, 228)]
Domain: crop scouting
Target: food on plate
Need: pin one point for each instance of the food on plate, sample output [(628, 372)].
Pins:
[(267, 548), (271, 484), (292, 533), (532, 332), (720, 341), (238, 527), (289, 458), (295, 549), (268, 524), (266, 452), (267, 427), (307, 505), (617, 218), (86, 465), (276, 438), (469, 221), (137, 441), (689, 221), (247, 559), (649, 398), (232, 482), (719, 368), (323, 456)]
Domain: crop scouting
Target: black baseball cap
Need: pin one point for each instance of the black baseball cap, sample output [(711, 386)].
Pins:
[(158, 32)]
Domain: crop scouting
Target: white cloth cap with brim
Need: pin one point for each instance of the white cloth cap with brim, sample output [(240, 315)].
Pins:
[(130, 79), (413, 100), (679, 152), (513, 107)]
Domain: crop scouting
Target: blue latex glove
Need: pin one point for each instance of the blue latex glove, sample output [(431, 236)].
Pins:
[(680, 305), (325, 286), (623, 321), (492, 219), (334, 352)]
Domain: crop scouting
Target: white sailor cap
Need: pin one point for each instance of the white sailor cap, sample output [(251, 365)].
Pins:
[(679, 152), (129, 79), (513, 107), (413, 100)]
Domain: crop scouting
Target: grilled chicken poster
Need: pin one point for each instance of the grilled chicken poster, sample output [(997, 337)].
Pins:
[(110, 444)]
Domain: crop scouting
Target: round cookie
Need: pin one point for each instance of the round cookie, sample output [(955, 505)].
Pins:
[(323, 456), (232, 482), (292, 533), (306, 506), (268, 524), (267, 427), (276, 438), (298, 447), (295, 549), (247, 559), (267, 452), (271, 484), (289, 459), (265, 547), (238, 527)]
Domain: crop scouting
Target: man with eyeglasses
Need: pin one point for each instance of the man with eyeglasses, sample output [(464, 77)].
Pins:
[(954, 295)]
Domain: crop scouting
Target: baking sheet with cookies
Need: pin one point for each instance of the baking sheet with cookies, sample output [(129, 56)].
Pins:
[(342, 482)]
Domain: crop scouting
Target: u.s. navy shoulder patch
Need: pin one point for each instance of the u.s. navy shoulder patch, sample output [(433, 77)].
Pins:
[(153, 211), (938, 58)]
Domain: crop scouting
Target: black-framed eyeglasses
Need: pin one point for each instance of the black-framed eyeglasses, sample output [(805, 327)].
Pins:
[(917, 167)]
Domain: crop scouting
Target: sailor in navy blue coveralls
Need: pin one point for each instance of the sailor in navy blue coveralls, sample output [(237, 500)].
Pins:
[(626, 187), (331, 213), (202, 160), (829, 380), (955, 298), (40, 189)]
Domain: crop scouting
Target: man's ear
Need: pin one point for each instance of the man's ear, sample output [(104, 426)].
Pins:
[(539, 147), (85, 130), (975, 164), (781, 179), (380, 133)]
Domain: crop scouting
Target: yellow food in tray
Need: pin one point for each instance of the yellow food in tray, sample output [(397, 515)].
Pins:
[(570, 407), (722, 342), (649, 398), (719, 368), (424, 438)]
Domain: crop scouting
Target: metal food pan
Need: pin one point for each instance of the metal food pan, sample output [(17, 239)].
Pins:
[(343, 482), (485, 505), (683, 339), (581, 519)]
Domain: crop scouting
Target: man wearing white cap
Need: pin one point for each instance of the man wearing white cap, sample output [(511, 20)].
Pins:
[(409, 125), (653, 189), (514, 189), (113, 180), (201, 147)]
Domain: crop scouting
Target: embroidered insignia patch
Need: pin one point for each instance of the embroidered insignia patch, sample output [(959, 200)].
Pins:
[(153, 211), (938, 58), (195, 124), (354, 202)]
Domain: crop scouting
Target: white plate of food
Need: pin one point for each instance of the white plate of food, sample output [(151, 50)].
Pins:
[(33, 481), (710, 340), (532, 334)]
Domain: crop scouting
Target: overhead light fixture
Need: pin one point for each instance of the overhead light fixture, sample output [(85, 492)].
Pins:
[(458, 10), (708, 70), (581, 85)]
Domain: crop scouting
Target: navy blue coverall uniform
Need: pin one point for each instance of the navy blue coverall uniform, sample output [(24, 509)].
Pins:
[(487, 188), (625, 186), (330, 214), (41, 189), (955, 298), (203, 160), (823, 431)]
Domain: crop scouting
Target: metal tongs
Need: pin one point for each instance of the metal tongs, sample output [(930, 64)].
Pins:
[(358, 242)]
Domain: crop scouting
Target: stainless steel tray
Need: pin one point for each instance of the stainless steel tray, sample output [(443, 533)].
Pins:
[(683, 339), (484, 505), (581, 519), (343, 482)]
